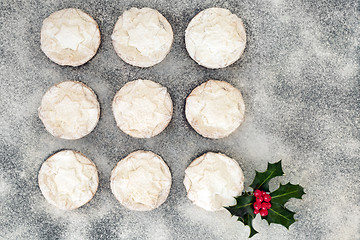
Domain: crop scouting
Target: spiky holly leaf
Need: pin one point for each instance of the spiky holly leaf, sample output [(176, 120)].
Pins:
[(248, 221), (280, 215), (244, 211), (262, 179), (277, 213), (285, 192)]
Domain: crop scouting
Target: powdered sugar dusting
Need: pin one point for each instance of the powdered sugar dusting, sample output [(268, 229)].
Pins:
[(4, 186), (299, 77)]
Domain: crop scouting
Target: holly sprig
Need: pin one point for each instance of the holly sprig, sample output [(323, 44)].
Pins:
[(246, 211)]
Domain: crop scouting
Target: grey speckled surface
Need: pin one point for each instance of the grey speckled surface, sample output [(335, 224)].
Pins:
[(300, 80)]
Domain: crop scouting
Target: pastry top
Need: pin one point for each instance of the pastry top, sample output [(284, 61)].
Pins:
[(142, 108), (68, 179), (213, 180), (141, 181), (142, 37), (70, 37), (69, 110), (215, 109), (215, 38)]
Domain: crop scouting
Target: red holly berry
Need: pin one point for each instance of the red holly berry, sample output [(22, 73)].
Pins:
[(267, 198), (257, 206), (256, 211), (263, 193), (259, 199), (263, 212), (266, 205), (257, 193)]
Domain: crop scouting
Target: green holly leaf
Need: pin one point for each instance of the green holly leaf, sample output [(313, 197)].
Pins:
[(262, 179), (244, 211), (285, 192), (247, 220), (243, 205), (280, 215)]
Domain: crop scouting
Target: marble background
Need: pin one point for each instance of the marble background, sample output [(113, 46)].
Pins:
[(300, 79)]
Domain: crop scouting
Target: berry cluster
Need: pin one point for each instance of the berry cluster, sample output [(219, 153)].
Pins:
[(262, 203)]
